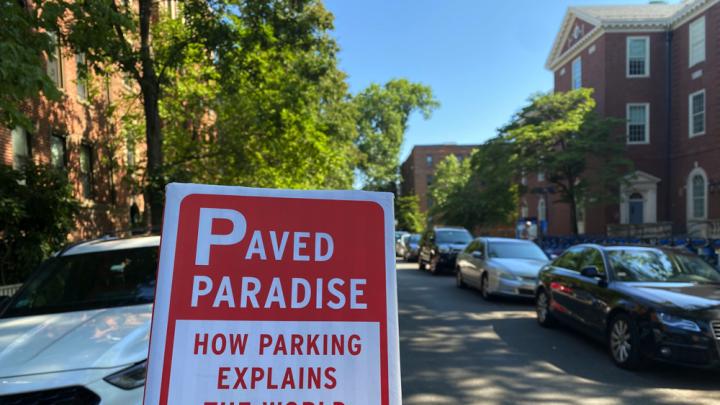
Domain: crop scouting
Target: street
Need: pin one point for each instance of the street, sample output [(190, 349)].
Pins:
[(458, 349)]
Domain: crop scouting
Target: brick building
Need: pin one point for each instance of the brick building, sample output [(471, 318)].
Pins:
[(419, 168), (653, 65), (89, 136)]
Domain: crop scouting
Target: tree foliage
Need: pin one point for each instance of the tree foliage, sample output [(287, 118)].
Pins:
[(22, 74), (581, 153), (450, 178), (408, 215), (384, 112), (37, 212)]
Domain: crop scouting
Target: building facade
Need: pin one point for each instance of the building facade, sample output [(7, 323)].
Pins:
[(653, 66), (94, 133), (418, 170)]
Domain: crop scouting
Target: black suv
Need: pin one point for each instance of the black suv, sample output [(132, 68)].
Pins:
[(439, 248)]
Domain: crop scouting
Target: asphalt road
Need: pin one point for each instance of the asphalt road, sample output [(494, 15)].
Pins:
[(456, 348)]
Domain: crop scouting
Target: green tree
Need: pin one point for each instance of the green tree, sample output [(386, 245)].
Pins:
[(408, 215), (581, 153), (449, 181), (123, 35), (384, 112), (491, 194), (37, 212), (22, 74)]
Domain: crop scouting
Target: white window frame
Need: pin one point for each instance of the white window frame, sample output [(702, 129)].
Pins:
[(54, 65), (647, 123), (697, 25), (690, 113), (541, 176), (691, 196), (576, 75), (81, 84), (647, 57)]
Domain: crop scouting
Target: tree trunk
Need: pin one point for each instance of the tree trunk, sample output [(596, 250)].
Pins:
[(150, 87)]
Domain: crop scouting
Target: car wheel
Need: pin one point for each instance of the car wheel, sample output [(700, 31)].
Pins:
[(542, 308), (623, 343), (459, 282), (433, 267), (485, 288)]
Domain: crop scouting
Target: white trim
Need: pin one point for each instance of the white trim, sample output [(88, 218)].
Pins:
[(647, 56), (691, 114), (698, 58), (690, 197), (542, 209), (647, 123)]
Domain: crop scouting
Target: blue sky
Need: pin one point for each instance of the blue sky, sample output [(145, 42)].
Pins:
[(482, 58)]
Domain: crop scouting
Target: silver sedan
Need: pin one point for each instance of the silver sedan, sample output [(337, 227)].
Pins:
[(500, 266)]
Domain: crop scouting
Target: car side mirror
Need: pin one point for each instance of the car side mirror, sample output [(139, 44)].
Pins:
[(477, 254), (591, 272)]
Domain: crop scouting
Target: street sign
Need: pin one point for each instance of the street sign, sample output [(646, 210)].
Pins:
[(279, 297)]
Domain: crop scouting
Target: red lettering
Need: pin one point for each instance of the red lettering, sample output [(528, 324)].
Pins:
[(354, 346), (338, 346), (201, 343), (280, 345), (237, 343), (265, 342), (330, 376), (288, 380), (240, 378), (313, 378), (312, 344), (222, 377), (256, 376), (218, 344), (270, 384), (296, 345)]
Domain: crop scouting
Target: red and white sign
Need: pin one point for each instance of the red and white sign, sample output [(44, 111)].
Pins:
[(276, 297)]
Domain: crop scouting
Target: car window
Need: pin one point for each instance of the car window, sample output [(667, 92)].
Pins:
[(472, 246), (458, 237), (648, 265), (570, 260), (515, 250), (89, 281), (593, 257)]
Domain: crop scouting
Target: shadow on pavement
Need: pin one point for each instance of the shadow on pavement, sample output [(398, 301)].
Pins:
[(458, 349)]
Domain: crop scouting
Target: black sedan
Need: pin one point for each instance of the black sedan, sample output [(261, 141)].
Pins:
[(644, 302)]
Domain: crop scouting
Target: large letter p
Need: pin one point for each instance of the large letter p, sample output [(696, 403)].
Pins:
[(206, 238)]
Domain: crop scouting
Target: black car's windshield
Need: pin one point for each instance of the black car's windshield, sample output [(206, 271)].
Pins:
[(459, 237), (89, 281), (515, 250), (657, 266)]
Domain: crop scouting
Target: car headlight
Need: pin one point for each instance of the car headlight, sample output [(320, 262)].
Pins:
[(673, 321), (509, 276), (129, 378)]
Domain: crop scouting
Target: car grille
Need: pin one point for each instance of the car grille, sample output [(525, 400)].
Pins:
[(716, 329), (60, 396)]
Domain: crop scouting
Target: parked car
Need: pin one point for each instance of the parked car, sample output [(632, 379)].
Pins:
[(408, 247), (643, 302), (77, 332), (500, 266), (439, 248)]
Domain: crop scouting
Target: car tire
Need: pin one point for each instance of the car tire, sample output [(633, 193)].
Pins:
[(459, 282), (623, 341), (544, 316), (485, 288), (433, 265)]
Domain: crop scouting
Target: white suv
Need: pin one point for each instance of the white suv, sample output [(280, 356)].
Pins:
[(78, 330)]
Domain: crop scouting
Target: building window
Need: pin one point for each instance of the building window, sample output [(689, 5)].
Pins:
[(81, 80), (577, 73), (429, 179), (58, 151), (638, 123), (524, 210), (429, 160), (697, 195), (697, 41), (542, 210), (697, 113), (86, 165), (541, 176), (20, 147), (54, 61), (638, 56)]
